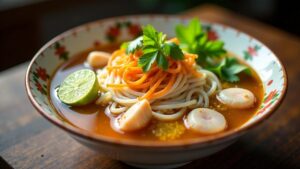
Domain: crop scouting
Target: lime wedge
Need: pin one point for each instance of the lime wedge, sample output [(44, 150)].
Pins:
[(79, 88)]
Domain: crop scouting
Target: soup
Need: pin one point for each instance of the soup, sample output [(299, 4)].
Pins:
[(171, 117)]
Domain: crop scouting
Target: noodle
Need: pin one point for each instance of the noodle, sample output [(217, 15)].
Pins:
[(169, 92)]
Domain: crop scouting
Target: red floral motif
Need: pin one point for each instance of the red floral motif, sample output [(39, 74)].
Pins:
[(61, 51), (212, 35), (252, 51), (134, 30), (39, 87), (270, 82), (264, 108), (269, 100), (40, 78), (41, 73), (112, 33), (271, 96), (96, 43)]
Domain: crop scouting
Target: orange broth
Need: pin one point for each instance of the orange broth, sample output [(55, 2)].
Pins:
[(93, 119)]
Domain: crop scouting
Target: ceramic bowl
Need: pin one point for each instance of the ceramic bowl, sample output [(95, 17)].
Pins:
[(158, 154)]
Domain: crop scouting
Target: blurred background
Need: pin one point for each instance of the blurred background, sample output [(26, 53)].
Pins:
[(25, 25)]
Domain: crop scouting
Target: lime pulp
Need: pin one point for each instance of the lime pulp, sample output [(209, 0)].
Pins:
[(79, 88)]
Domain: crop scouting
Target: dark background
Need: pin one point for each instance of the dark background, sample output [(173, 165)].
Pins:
[(25, 25)]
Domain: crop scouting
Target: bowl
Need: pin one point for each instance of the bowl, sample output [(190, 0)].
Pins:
[(152, 154)]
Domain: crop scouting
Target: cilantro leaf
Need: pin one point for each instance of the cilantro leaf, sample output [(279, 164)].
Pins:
[(155, 48), (133, 45), (208, 50), (147, 60), (150, 32), (228, 69), (194, 40), (173, 50), (187, 34), (162, 61)]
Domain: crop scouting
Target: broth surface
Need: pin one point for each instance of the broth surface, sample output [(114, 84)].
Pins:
[(93, 119)]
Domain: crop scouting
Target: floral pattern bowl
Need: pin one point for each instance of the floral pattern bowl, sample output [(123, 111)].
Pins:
[(141, 154)]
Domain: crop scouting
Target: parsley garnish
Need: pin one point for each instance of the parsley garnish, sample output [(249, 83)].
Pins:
[(134, 45), (211, 54), (194, 40), (155, 49), (228, 69)]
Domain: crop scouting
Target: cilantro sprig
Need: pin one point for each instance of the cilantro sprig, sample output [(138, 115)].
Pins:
[(134, 45), (228, 69), (211, 54), (155, 49), (193, 39)]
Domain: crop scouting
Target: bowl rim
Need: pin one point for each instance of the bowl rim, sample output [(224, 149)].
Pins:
[(216, 138)]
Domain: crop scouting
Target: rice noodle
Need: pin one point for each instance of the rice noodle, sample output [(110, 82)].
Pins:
[(187, 91)]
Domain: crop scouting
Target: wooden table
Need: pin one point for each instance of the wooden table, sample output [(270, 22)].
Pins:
[(28, 141)]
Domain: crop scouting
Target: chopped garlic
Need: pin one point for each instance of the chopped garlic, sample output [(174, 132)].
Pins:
[(168, 130)]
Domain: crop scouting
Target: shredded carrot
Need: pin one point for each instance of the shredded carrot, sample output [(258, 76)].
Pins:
[(192, 70), (176, 70), (166, 89), (156, 82), (152, 89), (137, 82)]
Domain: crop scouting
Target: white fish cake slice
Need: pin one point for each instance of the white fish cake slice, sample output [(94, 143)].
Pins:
[(206, 121), (237, 98)]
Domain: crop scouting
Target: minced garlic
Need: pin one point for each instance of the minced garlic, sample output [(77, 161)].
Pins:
[(168, 130)]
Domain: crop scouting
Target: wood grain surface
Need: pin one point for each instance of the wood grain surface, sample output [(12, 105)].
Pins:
[(28, 141)]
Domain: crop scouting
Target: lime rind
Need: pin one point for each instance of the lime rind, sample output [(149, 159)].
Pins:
[(79, 88)]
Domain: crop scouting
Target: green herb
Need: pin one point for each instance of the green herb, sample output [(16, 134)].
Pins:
[(194, 40), (228, 69), (173, 50), (124, 45), (134, 45), (155, 49)]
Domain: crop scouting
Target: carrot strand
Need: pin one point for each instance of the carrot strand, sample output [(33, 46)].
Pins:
[(156, 82)]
